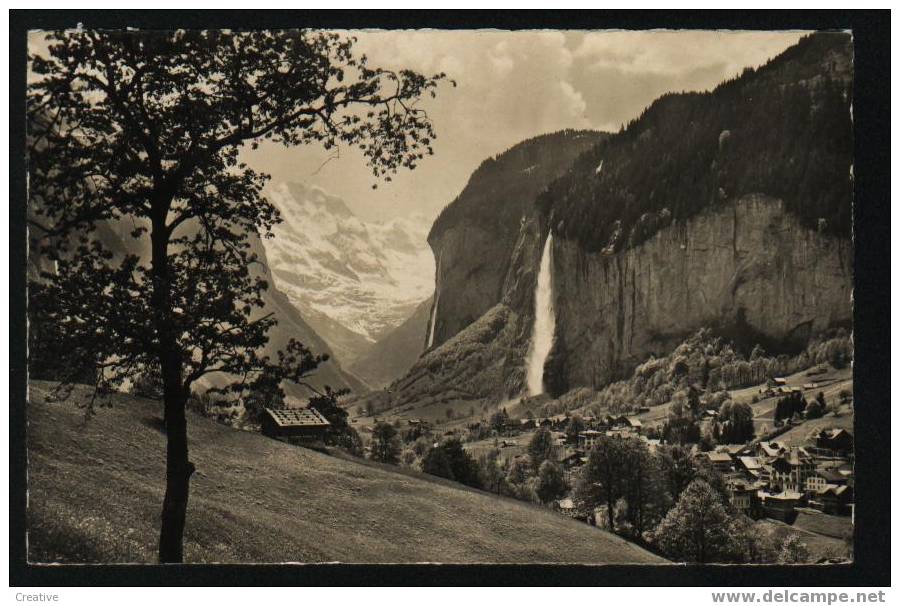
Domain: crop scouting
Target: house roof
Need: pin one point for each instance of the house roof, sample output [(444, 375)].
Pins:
[(787, 495), (750, 462), (772, 449), (833, 489), (719, 457), (566, 503), (297, 417), (743, 485)]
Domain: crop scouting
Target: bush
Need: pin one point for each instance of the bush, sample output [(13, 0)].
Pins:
[(551, 482), (385, 444), (450, 460), (148, 384)]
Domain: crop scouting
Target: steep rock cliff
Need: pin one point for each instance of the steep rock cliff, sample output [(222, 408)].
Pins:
[(473, 239), (747, 268)]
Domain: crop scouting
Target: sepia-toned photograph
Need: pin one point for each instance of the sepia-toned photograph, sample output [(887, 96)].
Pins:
[(461, 296)]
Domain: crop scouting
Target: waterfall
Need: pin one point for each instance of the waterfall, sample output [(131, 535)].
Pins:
[(544, 322), (434, 308)]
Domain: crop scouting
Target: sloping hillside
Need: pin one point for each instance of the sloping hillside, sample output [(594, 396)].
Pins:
[(95, 489), (395, 352), (783, 130)]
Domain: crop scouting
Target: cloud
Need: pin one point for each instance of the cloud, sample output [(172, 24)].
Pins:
[(515, 85), (674, 52)]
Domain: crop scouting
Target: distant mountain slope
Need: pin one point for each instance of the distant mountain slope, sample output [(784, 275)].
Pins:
[(95, 491), (396, 352), (783, 130), (116, 237), (352, 281), (474, 236), (292, 324)]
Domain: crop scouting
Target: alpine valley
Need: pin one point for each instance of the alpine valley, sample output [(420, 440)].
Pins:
[(726, 211)]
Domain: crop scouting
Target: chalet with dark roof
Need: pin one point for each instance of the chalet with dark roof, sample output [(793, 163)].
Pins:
[(835, 500), (835, 440), (302, 425)]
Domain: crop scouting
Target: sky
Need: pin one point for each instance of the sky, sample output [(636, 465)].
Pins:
[(512, 86)]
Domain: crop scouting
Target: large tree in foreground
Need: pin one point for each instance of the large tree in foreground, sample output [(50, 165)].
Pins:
[(146, 128)]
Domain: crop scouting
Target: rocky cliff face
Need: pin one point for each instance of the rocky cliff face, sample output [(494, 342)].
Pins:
[(475, 237), (747, 268)]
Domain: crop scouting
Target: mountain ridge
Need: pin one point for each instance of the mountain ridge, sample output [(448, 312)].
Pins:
[(353, 281)]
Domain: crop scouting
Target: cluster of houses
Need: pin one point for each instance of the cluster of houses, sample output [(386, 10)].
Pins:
[(779, 387), (574, 453), (771, 479), (763, 479)]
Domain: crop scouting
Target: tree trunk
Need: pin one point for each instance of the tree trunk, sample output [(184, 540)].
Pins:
[(178, 468), (178, 476), (609, 513)]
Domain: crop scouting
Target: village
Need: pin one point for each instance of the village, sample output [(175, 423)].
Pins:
[(797, 469)]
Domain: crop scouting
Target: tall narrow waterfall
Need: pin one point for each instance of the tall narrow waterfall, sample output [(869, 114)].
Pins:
[(544, 322), (434, 308)]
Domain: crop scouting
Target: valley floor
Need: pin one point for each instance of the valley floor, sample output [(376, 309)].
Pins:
[(96, 487), (830, 384)]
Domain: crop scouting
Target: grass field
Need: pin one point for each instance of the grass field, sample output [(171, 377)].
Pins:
[(824, 535), (96, 487)]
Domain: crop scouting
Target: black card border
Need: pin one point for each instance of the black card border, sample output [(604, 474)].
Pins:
[(871, 32)]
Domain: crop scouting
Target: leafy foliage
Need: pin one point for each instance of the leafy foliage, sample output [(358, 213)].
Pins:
[(540, 448), (551, 482), (698, 528), (622, 475), (147, 126), (735, 422), (793, 551), (450, 460), (386, 445), (790, 405), (339, 432)]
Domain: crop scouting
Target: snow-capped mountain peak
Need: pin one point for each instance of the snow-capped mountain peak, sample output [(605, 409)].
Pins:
[(366, 276)]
